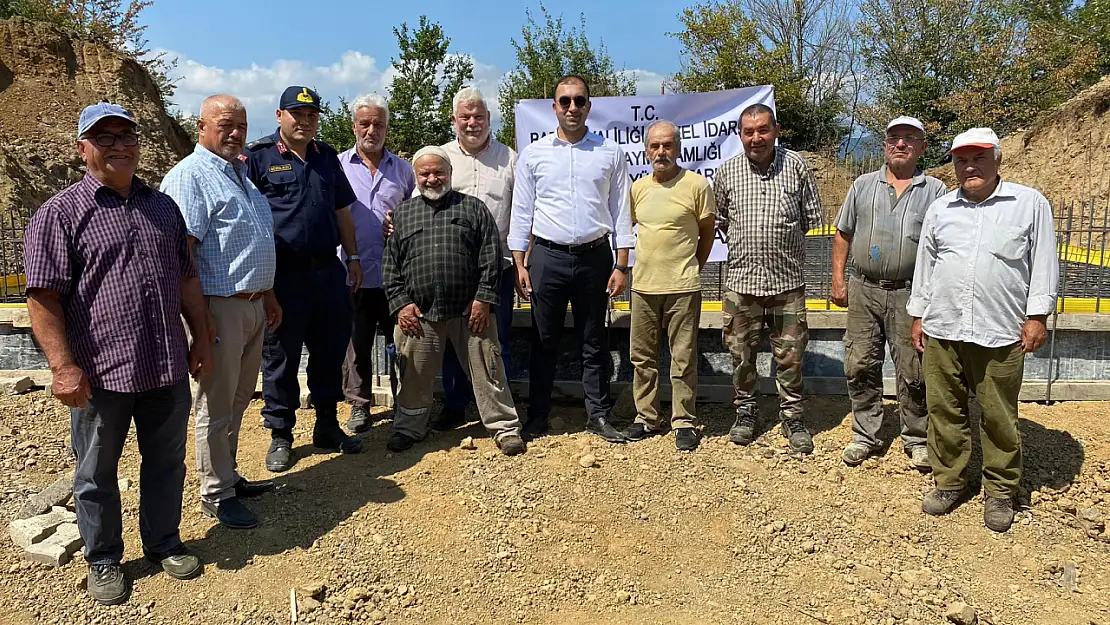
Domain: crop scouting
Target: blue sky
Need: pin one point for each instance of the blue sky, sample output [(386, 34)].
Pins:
[(253, 49)]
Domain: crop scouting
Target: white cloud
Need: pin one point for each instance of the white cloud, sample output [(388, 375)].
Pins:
[(647, 81)]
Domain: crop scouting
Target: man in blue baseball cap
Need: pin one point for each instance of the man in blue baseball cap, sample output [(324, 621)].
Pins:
[(310, 201)]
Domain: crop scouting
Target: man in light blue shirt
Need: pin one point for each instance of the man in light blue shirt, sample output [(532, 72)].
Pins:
[(985, 281), (231, 238), (571, 194)]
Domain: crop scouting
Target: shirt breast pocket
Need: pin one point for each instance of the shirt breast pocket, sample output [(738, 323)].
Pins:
[(497, 189), (1009, 243), (464, 233), (282, 184), (790, 206), (913, 227)]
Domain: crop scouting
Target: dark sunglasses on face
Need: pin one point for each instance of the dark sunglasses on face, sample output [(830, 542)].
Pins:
[(108, 139), (579, 101)]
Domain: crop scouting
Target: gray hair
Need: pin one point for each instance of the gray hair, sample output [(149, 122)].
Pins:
[(997, 154), (370, 100), (674, 129), (468, 95)]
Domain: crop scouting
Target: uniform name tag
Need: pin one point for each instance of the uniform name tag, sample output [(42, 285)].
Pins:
[(285, 167)]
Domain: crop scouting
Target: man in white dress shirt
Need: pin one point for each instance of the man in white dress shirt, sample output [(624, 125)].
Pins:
[(985, 281), (571, 194)]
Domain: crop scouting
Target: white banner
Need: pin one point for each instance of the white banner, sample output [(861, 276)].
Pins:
[(707, 122)]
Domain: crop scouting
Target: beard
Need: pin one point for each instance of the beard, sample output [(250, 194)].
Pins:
[(434, 194)]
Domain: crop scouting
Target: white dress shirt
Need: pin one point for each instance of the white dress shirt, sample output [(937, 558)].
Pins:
[(983, 269), (488, 176), (571, 193)]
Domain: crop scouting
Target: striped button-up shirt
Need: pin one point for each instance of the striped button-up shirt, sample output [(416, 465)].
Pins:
[(488, 176), (118, 264), (885, 227), (983, 269), (767, 216), (571, 193), (229, 218)]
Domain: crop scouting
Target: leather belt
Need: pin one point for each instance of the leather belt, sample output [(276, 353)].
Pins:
[(250, 297), (887, 285), (573, 249)]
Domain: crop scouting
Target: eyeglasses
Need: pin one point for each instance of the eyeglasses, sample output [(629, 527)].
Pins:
[(579, 100), (108, 139), (894, 139)]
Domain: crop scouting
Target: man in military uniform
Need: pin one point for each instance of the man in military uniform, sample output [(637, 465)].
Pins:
[(309, 198)]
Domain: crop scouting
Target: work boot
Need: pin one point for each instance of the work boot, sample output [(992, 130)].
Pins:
[(280, 456), (686, 439), (998, 513), (939, 502), (602, 427), (919, 458), (534, 428), (400, 442), (107, 584), (743, 431), (230, 513), (327, 435), (796, 433), (360, 420), (638, 432), (511, 445), (448, 420), (178, 562), (855, 453), (245, 489)]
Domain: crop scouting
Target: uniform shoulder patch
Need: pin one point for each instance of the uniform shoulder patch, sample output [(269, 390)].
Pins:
[(260, 143)]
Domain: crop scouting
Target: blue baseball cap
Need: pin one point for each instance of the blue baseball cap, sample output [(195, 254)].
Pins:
[(101, 110), (299, 97)]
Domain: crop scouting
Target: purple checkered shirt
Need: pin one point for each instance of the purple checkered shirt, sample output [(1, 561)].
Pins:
[(118, 264)]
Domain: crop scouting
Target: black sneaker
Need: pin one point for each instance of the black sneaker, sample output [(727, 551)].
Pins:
[(400, 442), (107, 585), (280, 456), (686, 439), (448, 420), (330, 437), (360, 420), (534, 428), (796, 433), (602, 427), (743, 431), (231, 513), (638, 432), (245, 489), (178, 563)]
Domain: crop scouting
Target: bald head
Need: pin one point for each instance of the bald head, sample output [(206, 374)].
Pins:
[(222, 127)]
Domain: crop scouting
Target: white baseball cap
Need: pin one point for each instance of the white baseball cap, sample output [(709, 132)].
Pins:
[(905, 120), (975, 138)]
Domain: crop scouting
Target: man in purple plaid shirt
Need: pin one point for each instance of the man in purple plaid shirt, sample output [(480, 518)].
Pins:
[(108, 278)]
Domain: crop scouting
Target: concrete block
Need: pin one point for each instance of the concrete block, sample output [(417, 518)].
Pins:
[(57, 494), (26, 532), (58, 548), (16, 386)]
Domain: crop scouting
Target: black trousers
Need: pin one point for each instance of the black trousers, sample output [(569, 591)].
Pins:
[(559, 278), (370, 315)]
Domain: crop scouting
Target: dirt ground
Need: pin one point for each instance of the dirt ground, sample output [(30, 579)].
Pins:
[(647, 535)]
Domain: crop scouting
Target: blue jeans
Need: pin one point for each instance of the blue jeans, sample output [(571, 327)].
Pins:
[(456, 388), (98, 432)]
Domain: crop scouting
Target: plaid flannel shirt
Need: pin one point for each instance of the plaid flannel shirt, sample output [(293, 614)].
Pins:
[(767, 216), (443, 257)]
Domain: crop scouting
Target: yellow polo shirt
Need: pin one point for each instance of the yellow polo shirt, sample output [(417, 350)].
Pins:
[(666, 217)]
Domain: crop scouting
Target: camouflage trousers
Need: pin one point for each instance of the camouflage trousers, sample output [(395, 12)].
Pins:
[(743, 318)]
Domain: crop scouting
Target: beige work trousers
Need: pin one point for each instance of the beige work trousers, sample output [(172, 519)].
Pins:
[(221, 396), (419, 361), (676, 315)]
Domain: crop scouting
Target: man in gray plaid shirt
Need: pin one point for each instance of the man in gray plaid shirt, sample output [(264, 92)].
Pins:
[(766, 202)]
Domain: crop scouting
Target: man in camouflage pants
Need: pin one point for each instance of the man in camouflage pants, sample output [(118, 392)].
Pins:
[(766, 201)]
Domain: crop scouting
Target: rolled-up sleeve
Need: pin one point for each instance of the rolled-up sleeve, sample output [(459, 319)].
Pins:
[(1044, 271), (619, 205), (47, 251), (524, 204), (922, 288)]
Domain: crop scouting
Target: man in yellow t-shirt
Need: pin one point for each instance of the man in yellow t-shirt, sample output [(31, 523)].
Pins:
[(675, 213)]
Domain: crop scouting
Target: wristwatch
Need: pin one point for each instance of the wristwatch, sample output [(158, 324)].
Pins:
[(351, 257), (621, 268)]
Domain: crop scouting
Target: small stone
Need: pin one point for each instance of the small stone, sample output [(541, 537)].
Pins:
[(809, 547), (58, 548), (124, 484), (378, 539), (961, 613), (1090, 515), (357, 593), (377, 616), (314, 590), (57, 494), (308, 605), (467, 443), (622, 597), (587, 461), (504, 555), (767, 452), (26, 532), (1066, 505), (777, 527), (16, 386)]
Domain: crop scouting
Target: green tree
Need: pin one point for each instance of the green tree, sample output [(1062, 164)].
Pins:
[(547, 52), (804, 49), (188, 123), (114, 23), (335, 125), (956, 64), (427, 79)]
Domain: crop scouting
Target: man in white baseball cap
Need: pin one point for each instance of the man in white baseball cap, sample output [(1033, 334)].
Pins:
[(880, 222), (978, 308)]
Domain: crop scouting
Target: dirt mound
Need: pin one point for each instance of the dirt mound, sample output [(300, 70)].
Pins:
[(46, 77)]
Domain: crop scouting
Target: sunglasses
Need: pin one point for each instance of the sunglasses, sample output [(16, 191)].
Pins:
[(108, 139), (894, 139), (579, 100)]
